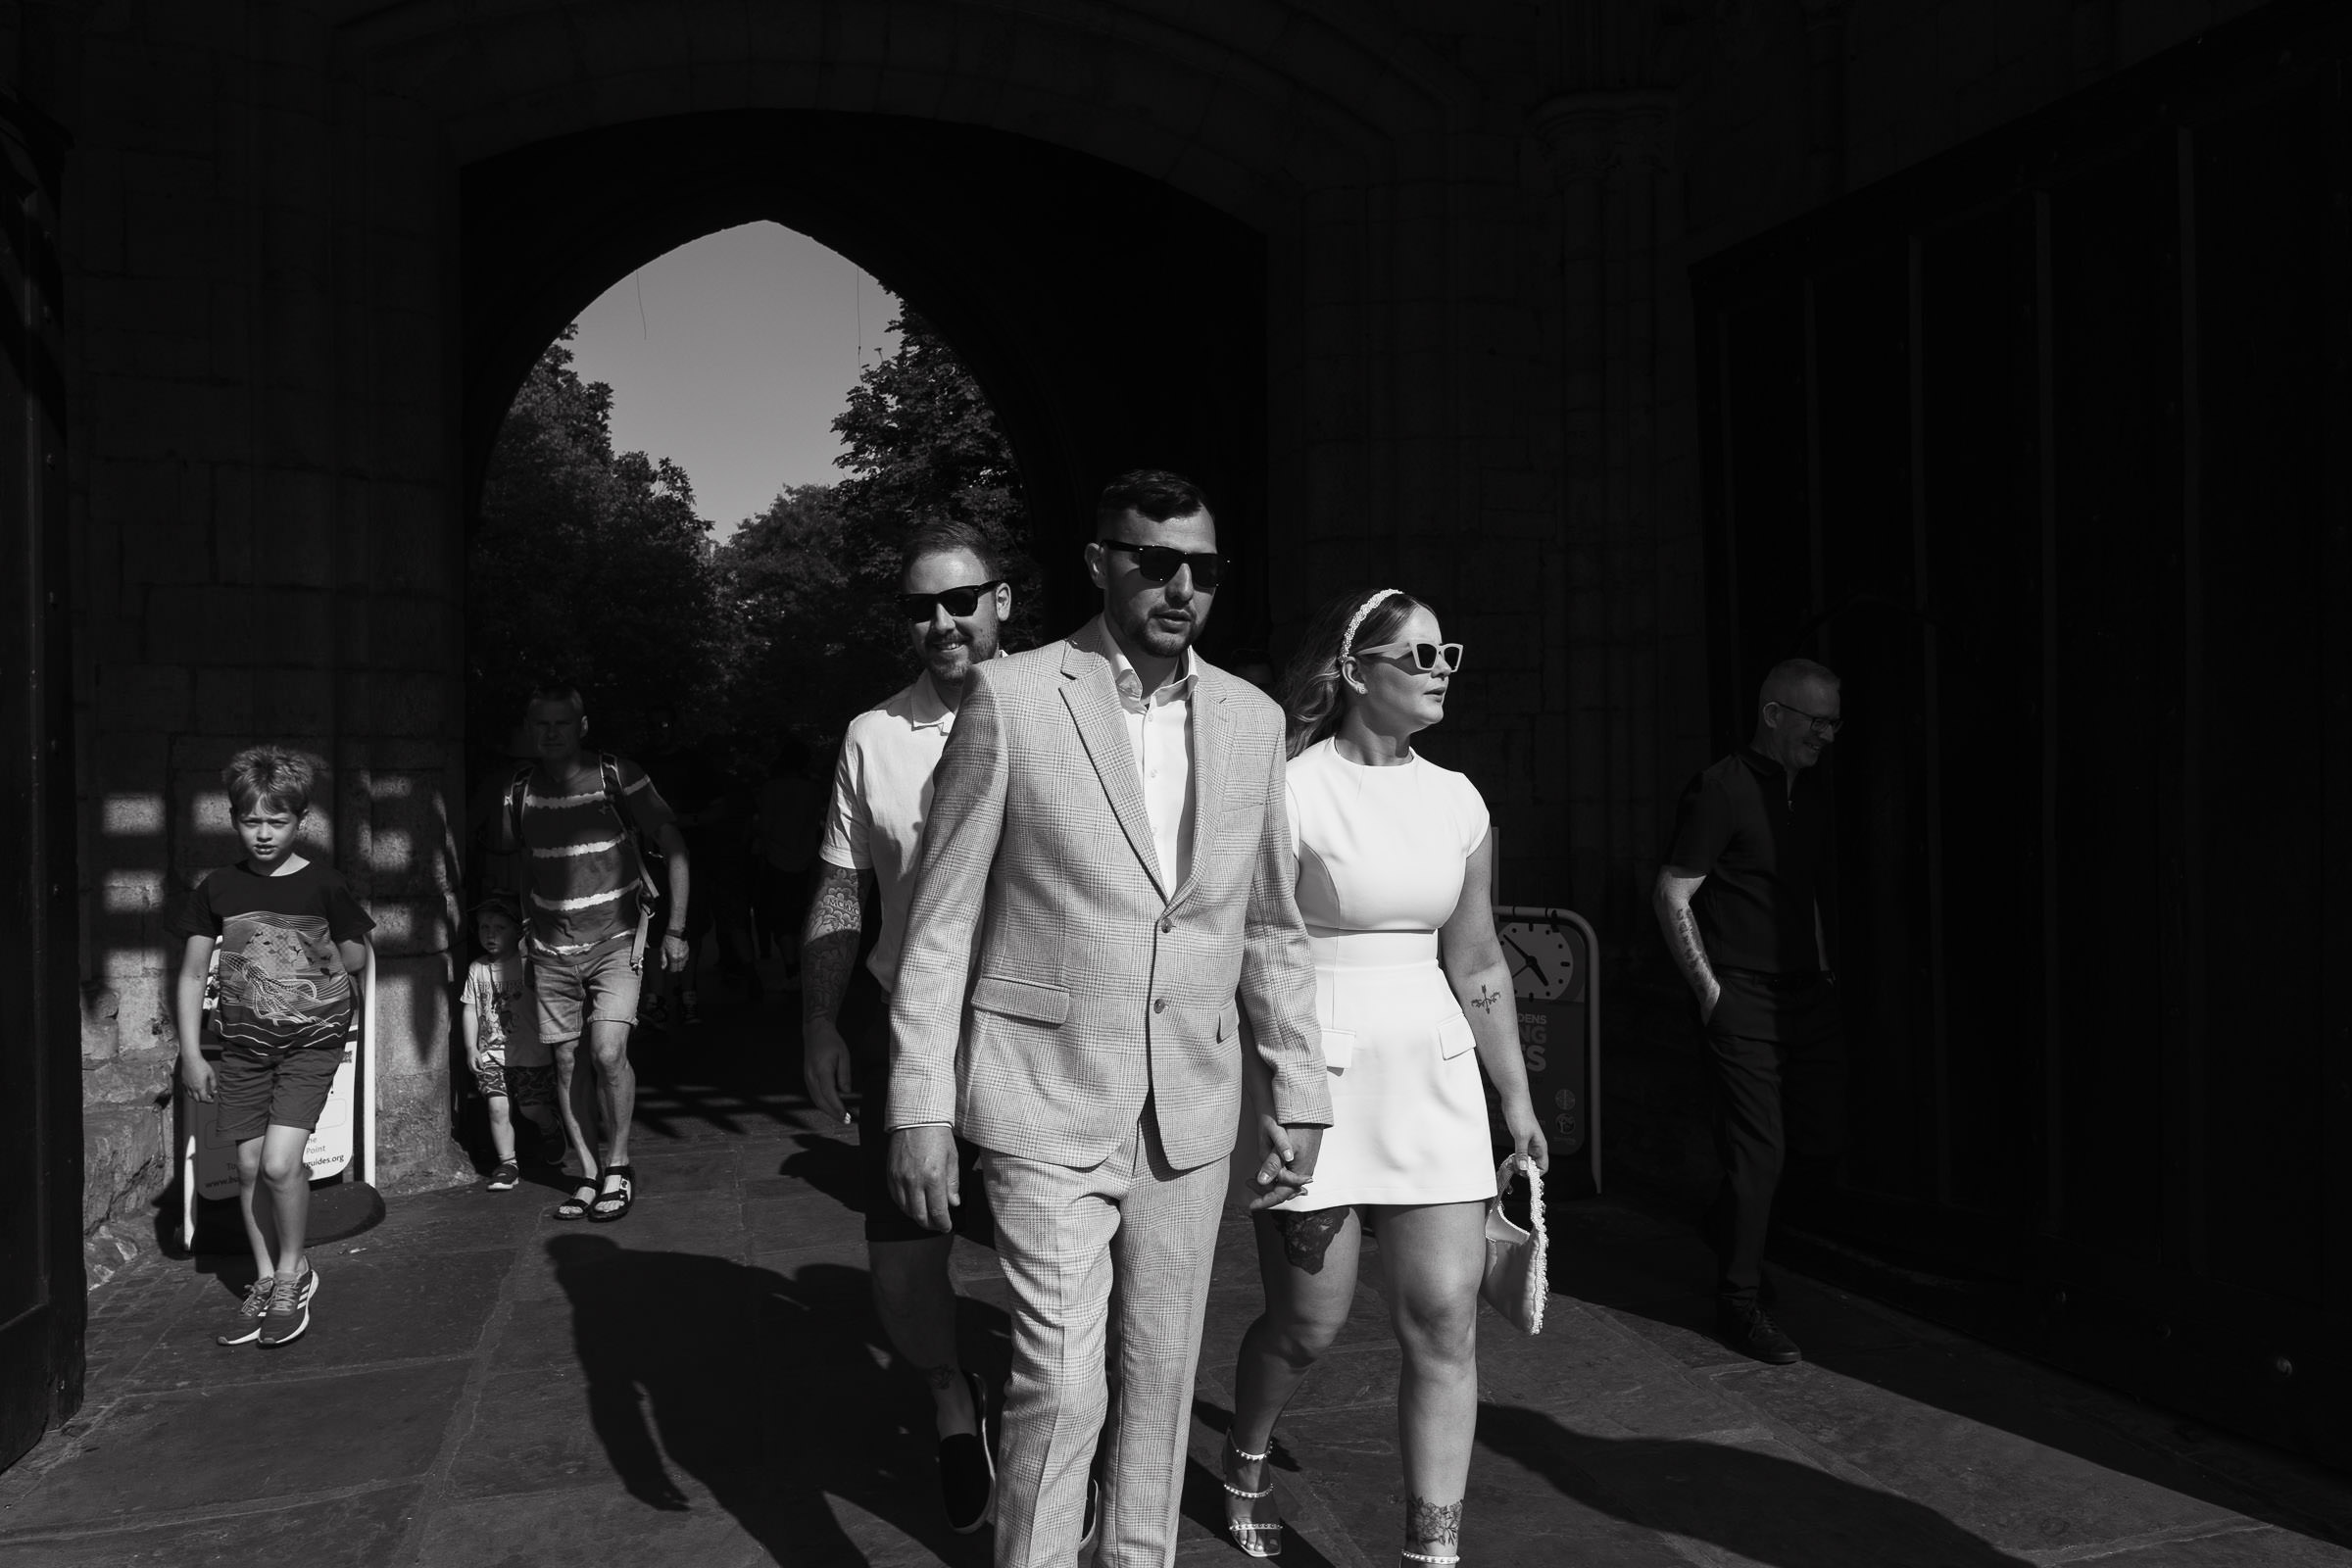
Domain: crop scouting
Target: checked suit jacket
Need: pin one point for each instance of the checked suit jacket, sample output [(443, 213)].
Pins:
[(1095, 984)]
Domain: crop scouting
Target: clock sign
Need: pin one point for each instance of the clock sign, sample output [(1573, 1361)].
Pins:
[(1542, 963)]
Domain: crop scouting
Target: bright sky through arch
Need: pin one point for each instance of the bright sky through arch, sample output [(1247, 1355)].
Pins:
[(746, 349)]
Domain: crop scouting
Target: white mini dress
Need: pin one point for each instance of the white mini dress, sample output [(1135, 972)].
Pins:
[(1380, 854)]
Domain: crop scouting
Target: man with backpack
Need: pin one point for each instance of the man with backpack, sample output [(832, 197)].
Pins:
[(581, 819)]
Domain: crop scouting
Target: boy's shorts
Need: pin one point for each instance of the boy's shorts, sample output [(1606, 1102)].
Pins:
[(253, 1094), (525, 1086), (578, 989)]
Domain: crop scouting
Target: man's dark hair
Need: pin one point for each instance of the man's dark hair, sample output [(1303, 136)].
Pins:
[(939, 537), (1151, 493), (556, 691)]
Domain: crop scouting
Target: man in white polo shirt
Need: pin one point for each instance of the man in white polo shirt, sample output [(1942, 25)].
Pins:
[(954, 598)]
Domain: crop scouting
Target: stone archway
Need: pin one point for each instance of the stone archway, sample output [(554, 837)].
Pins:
[(1114, 322), (415, 195)]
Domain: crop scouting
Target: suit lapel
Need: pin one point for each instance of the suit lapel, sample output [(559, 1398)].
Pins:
[(1211, 748), (1093, 703)]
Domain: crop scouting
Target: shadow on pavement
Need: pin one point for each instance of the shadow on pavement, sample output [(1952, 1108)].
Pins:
[(767, 1390), (1763, 1508), (1648, 1263)]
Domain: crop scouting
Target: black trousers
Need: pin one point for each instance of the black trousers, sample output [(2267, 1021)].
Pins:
[(1778, 1049)]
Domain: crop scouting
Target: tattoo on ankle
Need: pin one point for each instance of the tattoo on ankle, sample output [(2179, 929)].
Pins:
[(1432, 1524), (940, 1378)]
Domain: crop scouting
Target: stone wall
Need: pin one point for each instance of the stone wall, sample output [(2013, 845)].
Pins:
[(1479, 380)]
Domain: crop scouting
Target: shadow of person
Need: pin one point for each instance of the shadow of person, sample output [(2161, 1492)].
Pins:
[(770, 1392), (830, 1165), (1760, 1506)]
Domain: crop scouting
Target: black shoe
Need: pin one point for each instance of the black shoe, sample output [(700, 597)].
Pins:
[(1745, 1328), (968, 1471)]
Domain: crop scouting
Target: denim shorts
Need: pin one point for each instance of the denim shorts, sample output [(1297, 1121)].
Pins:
[(578, 989)]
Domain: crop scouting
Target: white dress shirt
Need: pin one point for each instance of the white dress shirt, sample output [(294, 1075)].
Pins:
[(1159, 728)]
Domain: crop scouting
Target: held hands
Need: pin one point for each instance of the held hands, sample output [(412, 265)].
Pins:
[(196, 1075), (924, 1178), (674, 958), (1289, 1162), (826, 1067)]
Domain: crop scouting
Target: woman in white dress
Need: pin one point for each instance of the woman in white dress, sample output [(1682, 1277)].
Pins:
[(1394, 865)]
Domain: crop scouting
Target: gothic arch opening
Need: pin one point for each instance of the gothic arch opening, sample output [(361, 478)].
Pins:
[(1114, 322)]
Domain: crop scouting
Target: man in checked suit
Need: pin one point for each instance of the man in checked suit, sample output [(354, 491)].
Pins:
[(1108, 815)]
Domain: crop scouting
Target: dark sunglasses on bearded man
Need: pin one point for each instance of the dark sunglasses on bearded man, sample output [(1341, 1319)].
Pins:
[(956, 602), (1159, 563)]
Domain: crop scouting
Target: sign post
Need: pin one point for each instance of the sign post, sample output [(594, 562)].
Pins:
[(1552, 952)]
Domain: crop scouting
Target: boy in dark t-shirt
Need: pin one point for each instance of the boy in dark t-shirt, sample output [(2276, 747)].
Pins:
[(290, 937)]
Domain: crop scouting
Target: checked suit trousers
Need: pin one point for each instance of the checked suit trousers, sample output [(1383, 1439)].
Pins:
[(1115, 1257)]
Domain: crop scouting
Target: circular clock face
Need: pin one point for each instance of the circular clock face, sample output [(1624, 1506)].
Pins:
[(1542, 963)]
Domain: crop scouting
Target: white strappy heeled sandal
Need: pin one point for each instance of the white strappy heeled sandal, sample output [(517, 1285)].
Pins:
[(1259, 1540)]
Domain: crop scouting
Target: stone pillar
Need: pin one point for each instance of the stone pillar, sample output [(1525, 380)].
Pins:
[(1622, 327)]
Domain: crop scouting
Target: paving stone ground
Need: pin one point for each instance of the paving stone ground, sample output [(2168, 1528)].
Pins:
[(704, 1384)]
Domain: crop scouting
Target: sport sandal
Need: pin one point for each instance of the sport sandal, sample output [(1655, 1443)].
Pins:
[(583, 1193), (612, 1203), (1258, 1537)]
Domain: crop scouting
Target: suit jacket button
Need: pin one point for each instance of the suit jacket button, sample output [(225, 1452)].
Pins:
[(1160, 1004), (1167, 926)]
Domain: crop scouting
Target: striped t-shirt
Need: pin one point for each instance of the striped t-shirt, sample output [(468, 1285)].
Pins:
[(581, 872)]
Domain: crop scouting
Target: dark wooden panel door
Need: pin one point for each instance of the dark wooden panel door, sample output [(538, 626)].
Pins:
[(41, 1308), (2050, 444)]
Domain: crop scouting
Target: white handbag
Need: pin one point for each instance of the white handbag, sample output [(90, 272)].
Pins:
[(1517, 1280)]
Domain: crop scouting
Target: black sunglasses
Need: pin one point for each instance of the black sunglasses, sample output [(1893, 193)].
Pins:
[(1159, 563), (956, 601)]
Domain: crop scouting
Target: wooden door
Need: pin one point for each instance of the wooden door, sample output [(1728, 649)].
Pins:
[(41, 1307), (2044, 448)]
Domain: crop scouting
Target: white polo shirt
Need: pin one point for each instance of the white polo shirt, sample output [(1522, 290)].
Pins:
[(881, 796)]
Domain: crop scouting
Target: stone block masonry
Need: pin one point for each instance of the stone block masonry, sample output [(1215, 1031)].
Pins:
[(1477, 367)]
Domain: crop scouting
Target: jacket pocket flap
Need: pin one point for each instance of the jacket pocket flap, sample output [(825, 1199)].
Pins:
[(1229, 1020), (1454, 1036), (1021, 998)]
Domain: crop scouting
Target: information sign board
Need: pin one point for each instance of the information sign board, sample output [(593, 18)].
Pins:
[(1553, 975)]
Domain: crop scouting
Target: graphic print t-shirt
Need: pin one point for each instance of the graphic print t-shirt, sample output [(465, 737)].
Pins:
[(509, 1015), (282, 983)]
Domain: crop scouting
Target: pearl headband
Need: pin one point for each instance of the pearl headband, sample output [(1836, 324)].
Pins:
[(1357, 620)]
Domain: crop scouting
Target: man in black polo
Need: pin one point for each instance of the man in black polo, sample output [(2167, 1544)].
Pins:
[(1738, 903)]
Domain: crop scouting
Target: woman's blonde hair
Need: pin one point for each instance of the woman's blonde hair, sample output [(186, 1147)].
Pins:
[(1310, 690)]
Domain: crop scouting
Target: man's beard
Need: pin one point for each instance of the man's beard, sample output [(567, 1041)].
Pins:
[(951, 658), (1148, 632)]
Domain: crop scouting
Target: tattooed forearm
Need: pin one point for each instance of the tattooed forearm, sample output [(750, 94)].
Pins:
[(830, 941), (1432, 1524), (1486, 998), (940, 1378), (1680, 926), (1690, 952)]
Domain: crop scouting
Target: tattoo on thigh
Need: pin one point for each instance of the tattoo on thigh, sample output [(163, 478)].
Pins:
[(1432, 1524), (1307, 1237)]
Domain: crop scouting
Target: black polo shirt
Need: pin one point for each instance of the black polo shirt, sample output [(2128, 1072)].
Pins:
[(1760, 846)]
